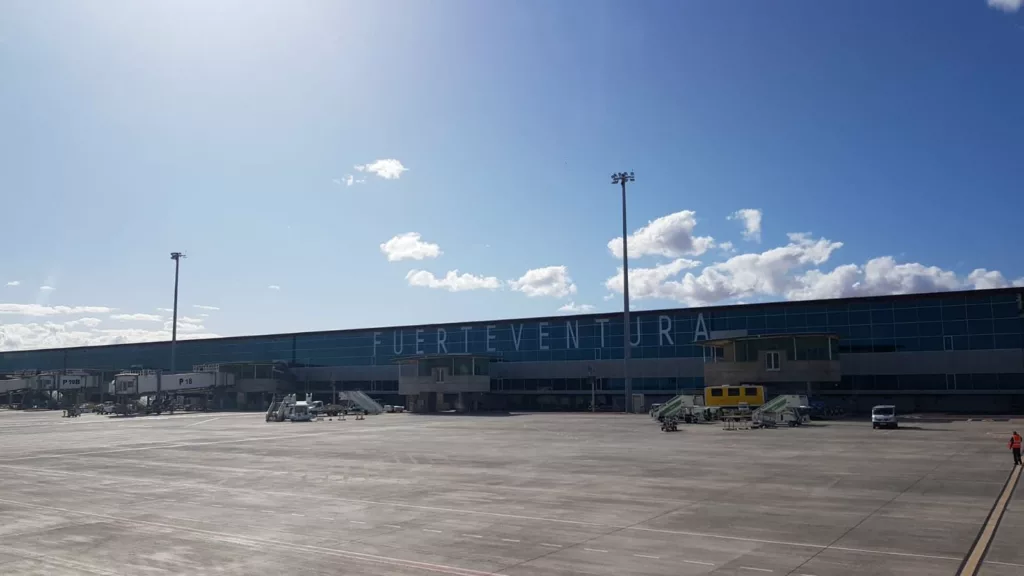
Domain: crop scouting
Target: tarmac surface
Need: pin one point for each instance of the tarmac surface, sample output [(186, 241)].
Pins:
[(531, 494)]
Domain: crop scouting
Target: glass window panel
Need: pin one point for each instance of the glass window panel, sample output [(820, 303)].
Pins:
[(954, 312), (860, 331), (930, 344), (982, 342), (756, 322), (929, 314), (817, 319), (1007, 341), (929, 328), (838, 318), (882, 330), (979, 311), (884, 316), (883, 345), (775, 322), (860, 317), (1006, 326), (907, 345), (979, 326), (954, 327), (796, 321), (905, 315), (905, 330), (1005, 310)]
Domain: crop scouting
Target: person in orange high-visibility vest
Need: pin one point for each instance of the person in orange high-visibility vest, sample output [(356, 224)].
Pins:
[(1015, 446)]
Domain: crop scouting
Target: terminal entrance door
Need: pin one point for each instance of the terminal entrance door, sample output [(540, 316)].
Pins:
[(638, 404)]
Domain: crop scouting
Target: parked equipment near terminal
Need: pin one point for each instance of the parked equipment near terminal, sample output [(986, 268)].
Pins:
[(670, 424), (731, 398), (291, 409), (784, 410)]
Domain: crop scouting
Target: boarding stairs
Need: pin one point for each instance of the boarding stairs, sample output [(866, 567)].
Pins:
[(360, 399)]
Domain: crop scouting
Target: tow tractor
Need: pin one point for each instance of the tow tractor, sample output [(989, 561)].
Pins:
[(670, 424)]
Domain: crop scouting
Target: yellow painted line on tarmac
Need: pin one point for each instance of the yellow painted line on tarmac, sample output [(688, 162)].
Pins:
[(972, 563)]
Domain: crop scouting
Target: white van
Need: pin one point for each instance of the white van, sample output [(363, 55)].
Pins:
[(884, 416)]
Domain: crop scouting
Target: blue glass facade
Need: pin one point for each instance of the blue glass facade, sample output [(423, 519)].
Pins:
[(978, 320)]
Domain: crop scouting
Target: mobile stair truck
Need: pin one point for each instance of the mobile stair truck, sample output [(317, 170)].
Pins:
[(787, 409), (682, 407)]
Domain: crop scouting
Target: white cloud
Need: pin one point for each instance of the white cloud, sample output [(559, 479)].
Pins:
[(452, 281), (408, 246), (1006, 5), (388, 169), (792, 272), (273, 287), (47, 288), (40, 310), (670, 236), (203, 307), (549, 281), (743, 275), (348, 180), (573, 307), (81, 332), (14, 283), (883, 275), (751, 218), (88, 322), (185, 324), (727, 247), (137, 317), (204, 315), (168, 310), (650, 282)]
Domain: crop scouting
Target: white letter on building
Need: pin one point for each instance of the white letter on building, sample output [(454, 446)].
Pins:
[(637, 332), (376, 342), (574, 334), (516, 338), (465, 338), (542, 333), (701, 329), (419, 340), (489, 338), (442, 340), (602, 322), (397, 341), (665, 330)]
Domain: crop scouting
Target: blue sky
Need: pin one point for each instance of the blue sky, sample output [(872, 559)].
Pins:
[(861, 148)]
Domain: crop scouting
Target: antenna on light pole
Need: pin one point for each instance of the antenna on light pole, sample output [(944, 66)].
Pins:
[(621, 178), (176, 256)]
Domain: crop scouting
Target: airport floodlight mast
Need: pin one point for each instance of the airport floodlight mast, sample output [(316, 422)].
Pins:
[(621, 178), (176, 256)]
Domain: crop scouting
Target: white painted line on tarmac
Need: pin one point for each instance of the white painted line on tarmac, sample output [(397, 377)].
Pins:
[(647, 556), (699, 562), (755, 569), (550, 545), (1003, 563), (594, 550), (201, 422), (254, 541), (457, 510), (297, 514), (508, 540), (264, 511), (166, 446), (392, 526), (472, 536), (216, 505), (429, 530), (888, 553), (357, 522)]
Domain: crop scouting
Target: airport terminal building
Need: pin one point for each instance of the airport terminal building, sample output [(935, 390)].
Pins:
[(948, 352)]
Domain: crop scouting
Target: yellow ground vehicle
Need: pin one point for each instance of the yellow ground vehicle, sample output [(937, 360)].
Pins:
[(733, 396)]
